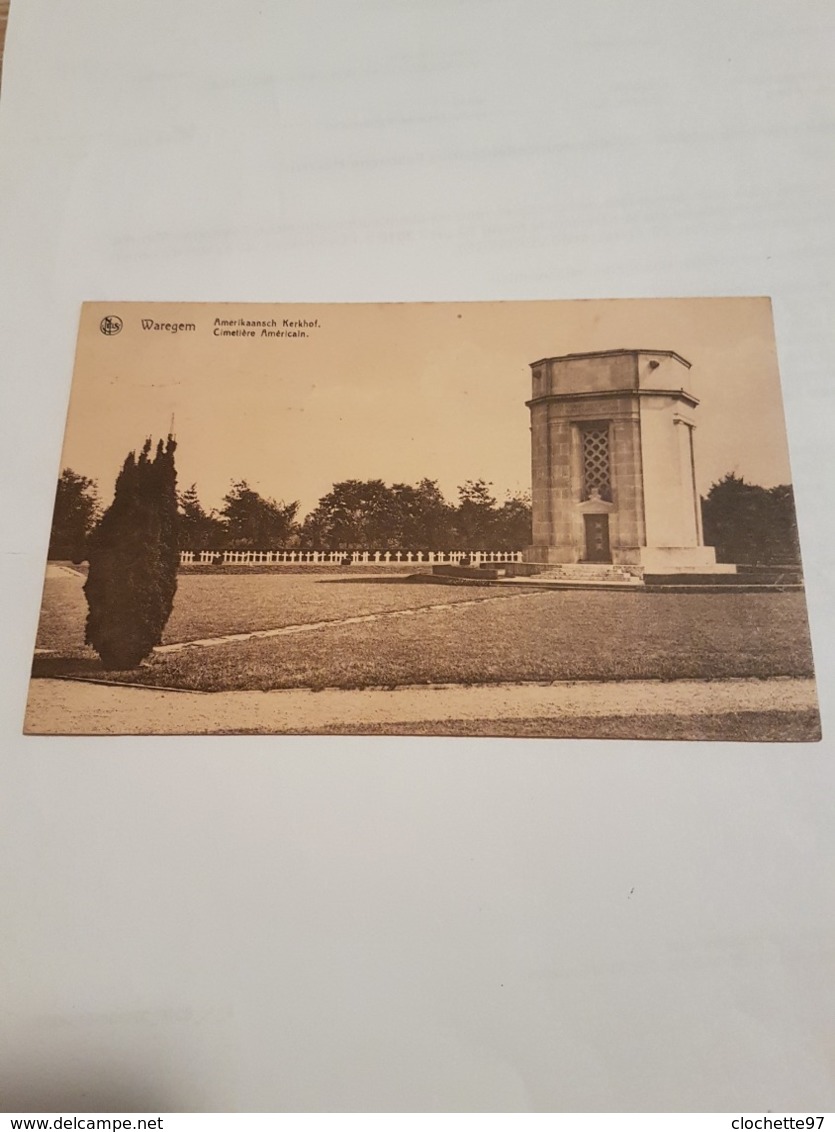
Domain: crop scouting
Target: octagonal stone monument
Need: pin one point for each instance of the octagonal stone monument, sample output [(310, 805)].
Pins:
[(613, 463)]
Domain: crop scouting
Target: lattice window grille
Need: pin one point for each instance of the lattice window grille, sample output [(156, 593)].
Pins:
[(596, 462)]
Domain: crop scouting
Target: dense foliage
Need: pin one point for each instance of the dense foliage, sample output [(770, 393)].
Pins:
[(134, 553), (74, 516), (371, 515), (250, 520), (199, 529), (751, 524), (360, 515)]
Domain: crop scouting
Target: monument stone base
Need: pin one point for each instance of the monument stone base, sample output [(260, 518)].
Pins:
[(674, 560), (550, 555), (643, 559)]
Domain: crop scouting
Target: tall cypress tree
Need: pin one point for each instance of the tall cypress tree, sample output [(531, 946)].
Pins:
[(133, 554)]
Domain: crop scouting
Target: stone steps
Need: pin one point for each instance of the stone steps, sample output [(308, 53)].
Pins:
[(586, 573)]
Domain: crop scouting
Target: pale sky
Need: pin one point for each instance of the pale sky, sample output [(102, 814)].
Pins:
[(398, 391)]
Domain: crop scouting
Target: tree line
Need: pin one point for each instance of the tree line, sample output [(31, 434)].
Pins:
[(353, 515), (745, 522), (751, 524)]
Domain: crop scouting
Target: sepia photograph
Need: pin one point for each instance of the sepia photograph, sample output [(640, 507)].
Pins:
[(545, 519)]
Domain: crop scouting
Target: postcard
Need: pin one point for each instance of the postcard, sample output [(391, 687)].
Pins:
[(555, 519)]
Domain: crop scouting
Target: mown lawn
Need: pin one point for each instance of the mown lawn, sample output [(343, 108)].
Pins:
[(562, 635), (215, 605)]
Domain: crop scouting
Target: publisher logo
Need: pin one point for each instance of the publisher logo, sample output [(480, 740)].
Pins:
[(110, 324)]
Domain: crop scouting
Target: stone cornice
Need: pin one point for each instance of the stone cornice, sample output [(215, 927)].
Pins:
[(613, 354), (607, 394)]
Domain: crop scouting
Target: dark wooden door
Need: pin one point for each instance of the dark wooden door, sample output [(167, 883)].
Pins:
[(597, 538)]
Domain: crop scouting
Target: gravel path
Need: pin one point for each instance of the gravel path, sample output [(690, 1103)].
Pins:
[(67, 707)]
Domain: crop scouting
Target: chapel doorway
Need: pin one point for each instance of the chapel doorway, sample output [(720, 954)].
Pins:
[(597, 538)]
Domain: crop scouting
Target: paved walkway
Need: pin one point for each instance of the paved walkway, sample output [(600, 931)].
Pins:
[(75, 708)]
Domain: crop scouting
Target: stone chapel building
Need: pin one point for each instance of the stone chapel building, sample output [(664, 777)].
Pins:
[(614, 463)]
